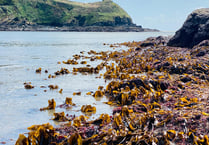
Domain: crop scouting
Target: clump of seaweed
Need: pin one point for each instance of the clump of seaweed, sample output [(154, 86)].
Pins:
[(38, 70), (88, 109), (51, 105), (71, 61), (28, 85), (76, 93), (53, 87), (60, 117), (62, 71), (68, 103), (39, 134)]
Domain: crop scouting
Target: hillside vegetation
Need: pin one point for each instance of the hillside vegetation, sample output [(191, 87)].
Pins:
[(62, 13)]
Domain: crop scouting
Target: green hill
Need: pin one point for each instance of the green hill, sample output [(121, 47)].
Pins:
[(62, 13)]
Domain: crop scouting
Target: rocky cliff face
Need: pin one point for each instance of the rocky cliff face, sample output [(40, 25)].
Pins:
[(194, 30)]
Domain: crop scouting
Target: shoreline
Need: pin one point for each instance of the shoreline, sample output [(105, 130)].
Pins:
[(40, 28), (159, 94)]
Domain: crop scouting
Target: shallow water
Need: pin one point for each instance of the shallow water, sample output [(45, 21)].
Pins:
[(21, 53)]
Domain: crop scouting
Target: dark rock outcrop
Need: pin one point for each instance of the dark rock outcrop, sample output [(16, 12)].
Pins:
[(194, 30), (201, 49), (152, 41)]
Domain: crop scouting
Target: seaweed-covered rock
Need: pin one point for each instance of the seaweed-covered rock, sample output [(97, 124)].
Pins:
[(201, 49), (204, 43), (152, 41), (194, 30)]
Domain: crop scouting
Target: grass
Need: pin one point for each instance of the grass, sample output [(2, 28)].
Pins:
[(63, 12)]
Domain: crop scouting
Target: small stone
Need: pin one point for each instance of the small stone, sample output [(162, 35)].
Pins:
[(186, 79)]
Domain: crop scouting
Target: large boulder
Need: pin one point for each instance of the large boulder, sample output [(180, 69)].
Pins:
[(194, 30)]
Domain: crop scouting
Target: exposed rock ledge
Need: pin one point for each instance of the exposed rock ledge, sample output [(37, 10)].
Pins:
[(194, 30)]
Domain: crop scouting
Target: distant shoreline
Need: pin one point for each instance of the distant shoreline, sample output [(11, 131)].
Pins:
[(76, 28)]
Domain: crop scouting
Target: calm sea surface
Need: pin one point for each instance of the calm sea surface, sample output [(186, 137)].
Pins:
[(21, 53)]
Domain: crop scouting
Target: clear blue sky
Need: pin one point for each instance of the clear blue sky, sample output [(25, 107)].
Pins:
[(165, 15)]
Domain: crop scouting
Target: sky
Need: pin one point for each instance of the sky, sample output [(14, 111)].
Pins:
[(165, 15)]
